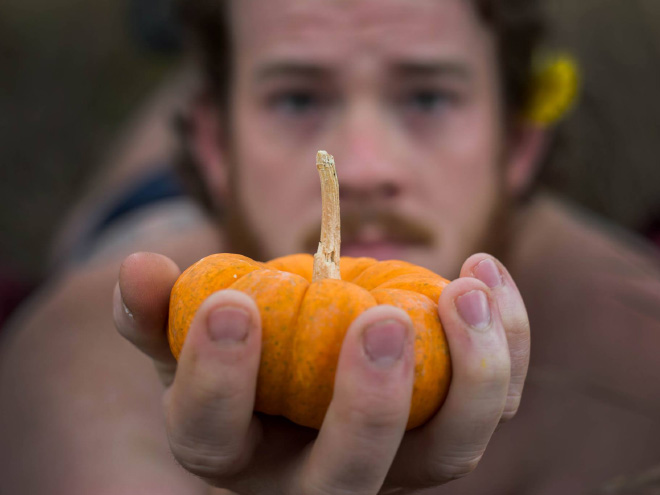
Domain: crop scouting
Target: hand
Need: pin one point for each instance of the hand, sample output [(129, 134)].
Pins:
[(361, 447)]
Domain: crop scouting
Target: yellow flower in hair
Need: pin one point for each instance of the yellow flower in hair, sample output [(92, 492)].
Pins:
[(555, 86)]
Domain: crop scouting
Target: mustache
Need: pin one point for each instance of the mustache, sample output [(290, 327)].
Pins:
[(392, 226)]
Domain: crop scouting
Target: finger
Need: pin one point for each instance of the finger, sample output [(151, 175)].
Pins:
[(367, 417), (454, 440), (141, 306), (514, 319), (209, 406)]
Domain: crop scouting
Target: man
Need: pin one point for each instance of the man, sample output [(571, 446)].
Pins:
[(417, 103)]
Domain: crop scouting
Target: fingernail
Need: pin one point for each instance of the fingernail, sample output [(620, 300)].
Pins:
[(383, 342), (488, 273), (474, 309), (127, 311), (118, 296), (228, 324)]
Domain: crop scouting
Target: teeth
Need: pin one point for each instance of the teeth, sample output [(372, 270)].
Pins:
[(371, 234)]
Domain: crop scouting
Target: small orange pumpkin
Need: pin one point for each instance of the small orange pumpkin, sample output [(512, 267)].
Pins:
[(306, 308)]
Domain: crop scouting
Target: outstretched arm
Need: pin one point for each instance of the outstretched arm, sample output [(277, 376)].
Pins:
[(80, 408)]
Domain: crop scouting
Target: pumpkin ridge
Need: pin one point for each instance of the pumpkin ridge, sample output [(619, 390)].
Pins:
[(383, 271), (185, 302), (356, 266), (278, 306), (306, 307), (431, 286), (432, 361), (407, 292), (328, 310), (290, 348), (302, 264)]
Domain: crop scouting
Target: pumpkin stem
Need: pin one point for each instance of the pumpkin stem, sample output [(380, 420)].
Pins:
[(326, 259)]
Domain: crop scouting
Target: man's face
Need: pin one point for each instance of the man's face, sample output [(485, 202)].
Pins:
[(403, 93)]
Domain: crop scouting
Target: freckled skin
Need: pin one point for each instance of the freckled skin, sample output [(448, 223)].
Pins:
[(304, 325)]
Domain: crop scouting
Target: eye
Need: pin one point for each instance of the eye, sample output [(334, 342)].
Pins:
[(295, 102), (427, 101)]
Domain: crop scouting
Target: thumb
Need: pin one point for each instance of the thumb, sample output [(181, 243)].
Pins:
[(141, 306)]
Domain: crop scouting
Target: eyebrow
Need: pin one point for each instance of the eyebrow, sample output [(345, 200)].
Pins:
[(298, 69), (433, 69), (405, 69)]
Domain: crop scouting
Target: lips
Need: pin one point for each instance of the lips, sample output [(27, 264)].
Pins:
[(380, 250), (376, 234), (373, 242)]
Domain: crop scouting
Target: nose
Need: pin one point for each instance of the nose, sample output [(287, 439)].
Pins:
[(367, 165)]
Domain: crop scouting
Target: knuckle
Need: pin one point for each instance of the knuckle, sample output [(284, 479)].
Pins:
[(200, 437), (205, 461), (206, 383), (519, 329), (511, 408), (375, 413), (488, 371), (320, 487), (452, 468), (334, 487), (208, 389)]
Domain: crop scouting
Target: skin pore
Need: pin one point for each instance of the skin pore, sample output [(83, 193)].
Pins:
[(406, 99)]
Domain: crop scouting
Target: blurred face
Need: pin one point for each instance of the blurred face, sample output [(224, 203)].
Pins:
[(403, 93)]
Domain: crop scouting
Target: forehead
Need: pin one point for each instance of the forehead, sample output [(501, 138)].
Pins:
[(340, 29)]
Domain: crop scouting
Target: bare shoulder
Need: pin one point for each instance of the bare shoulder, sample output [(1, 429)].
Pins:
[(81, 406), (563, 250), (593, 294), (576, 239)]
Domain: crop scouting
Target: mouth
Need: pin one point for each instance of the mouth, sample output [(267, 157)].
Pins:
[(380, 235), (374, 241), (381, 250)]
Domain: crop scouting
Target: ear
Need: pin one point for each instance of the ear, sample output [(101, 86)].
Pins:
[(207, 143), (527, 145)]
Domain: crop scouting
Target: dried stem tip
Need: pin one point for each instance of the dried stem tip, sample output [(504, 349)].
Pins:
[(326, 259)]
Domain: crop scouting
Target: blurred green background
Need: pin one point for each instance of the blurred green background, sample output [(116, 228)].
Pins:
[(72, 71)]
